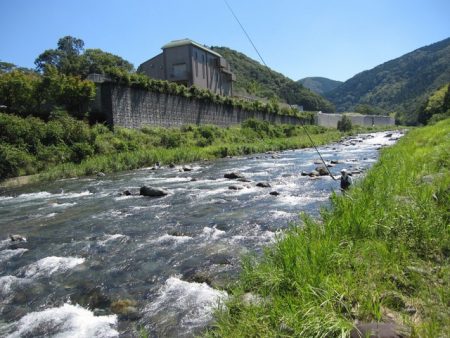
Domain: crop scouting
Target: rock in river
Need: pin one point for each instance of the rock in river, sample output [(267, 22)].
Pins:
[(233, 175), (17, 238), (152, 192), (263, 184), (322, 171)]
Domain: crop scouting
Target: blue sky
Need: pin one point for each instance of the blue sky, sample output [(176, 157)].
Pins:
[(330, 38)]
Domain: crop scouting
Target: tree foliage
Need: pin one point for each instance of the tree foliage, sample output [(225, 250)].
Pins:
[(254, 79), (25, 93), (400, 85), (436, 107), (70, 58), (345, 124)]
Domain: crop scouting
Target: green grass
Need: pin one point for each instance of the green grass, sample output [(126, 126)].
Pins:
[(381, 253), (64, 147)]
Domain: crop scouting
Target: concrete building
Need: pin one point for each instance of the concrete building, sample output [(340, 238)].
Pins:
[(190, 63)]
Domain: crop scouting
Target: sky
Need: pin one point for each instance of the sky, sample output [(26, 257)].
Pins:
[(330, 38)]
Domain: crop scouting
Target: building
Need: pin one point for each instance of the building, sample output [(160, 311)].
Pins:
[(190, 63)]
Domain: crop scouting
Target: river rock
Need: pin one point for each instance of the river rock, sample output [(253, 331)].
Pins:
[(17, 238), (313, 173), (193, 276), (176, 233), (243, 179), (274, 193), (235, 187), (126, 309), (193, 179), (127, 193), (187, 168), (323, 171), (152, 192), (233, 175), (304, 173), (379, 330), (263, 184), (251, 299), (171, 165), (100, 174)]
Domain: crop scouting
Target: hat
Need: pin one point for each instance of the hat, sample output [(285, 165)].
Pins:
[(344, 171)]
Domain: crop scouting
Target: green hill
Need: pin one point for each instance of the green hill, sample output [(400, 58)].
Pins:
[(400, 85), (255, 80), (320, 85)]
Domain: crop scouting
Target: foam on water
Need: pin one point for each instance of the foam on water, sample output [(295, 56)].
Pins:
[(195, 301), (75, 194), (173, 239), (7, 254), (212, 233), (111, 238), (49, 265), (34, 196), (279, 214), (4, 198), (7, 283), (66, 321), (5, 243), (62, 205)]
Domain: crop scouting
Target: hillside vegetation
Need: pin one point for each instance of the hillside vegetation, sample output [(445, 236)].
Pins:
[(400, 85), (67, 147), (320, 85), (254, 79), (380, 254)]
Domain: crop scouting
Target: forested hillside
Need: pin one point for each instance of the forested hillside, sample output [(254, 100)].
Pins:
[(320, 85), (254, 79), (400, 85)]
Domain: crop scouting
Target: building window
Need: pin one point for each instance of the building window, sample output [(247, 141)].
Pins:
[(179, 70)]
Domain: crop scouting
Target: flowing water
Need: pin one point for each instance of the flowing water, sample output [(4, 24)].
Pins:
[(100, 264)]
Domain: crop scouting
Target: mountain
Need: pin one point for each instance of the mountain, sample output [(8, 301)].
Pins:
[(320, 85), (256, 80), (400, 85)]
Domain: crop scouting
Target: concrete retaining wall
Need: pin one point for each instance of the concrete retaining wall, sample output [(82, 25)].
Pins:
[(135, 108), (331, 120)]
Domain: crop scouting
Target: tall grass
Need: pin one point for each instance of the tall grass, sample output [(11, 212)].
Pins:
[(380, 253)]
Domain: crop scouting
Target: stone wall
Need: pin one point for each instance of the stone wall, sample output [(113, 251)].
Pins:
[(331, 120), (135, 108)]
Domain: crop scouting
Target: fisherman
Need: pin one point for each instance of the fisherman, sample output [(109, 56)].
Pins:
[(346, 180)]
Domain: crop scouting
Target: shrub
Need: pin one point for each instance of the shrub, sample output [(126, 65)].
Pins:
[(81, 151), (345, 124), (15, 161)]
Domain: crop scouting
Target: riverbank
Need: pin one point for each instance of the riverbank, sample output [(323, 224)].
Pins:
[(381, 254), (66, 148)]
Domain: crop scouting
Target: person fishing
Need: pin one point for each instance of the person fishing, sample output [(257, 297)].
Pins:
[(346, 180)]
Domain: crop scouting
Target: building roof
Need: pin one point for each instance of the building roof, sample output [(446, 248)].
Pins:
[(183, 42)]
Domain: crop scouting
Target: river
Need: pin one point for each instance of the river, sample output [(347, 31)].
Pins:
[(97, 263)]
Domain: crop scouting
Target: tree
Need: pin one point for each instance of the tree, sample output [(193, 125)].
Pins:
[(345, 124), (70, 58), (100, 62), (436, 107), (17, 92), (66, 58)]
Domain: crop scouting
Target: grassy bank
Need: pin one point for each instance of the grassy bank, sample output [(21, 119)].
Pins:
[(64, 147), (379, 254)]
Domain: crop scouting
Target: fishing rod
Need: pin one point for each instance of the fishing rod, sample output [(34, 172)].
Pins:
[(270, 73)]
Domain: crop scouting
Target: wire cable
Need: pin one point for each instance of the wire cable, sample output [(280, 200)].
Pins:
[(270, 72)]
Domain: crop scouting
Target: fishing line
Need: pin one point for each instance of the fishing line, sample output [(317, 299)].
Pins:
[(270, 72)]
